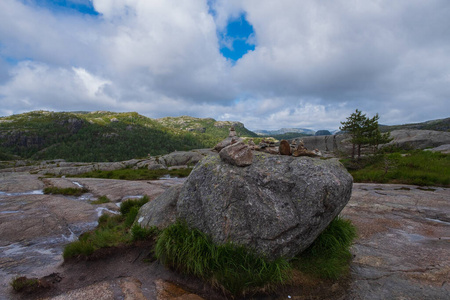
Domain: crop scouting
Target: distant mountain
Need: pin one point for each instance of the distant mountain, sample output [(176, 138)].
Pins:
[(105, 136), (284, 131), (438, 125)]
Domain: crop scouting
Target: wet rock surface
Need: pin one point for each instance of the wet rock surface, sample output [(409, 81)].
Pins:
[(403, 248), (402, 251), (34, 227)]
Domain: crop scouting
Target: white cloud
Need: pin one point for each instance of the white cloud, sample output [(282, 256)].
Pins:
[(314, 62)]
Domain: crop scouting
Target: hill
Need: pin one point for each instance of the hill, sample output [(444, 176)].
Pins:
[(438, 125), (281, 131), (105, 136)]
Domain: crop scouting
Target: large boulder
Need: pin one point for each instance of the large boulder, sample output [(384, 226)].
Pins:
[(276, 206)]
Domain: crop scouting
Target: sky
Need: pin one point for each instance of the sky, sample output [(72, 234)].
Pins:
[(269, 64)]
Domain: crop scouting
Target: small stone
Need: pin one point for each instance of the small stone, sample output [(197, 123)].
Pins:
[(285, 148)]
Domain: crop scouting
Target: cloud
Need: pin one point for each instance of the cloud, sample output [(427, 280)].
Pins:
[(313, 63)]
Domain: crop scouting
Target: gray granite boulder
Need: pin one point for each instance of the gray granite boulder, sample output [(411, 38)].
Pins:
[(278, 205), (160, 212)]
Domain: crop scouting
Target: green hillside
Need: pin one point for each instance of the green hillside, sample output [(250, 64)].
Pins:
[(105, 136)]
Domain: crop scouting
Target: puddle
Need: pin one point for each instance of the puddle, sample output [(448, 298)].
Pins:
[(131, 197), (11, 211), (100, 210), (78, 184), (35, 192)]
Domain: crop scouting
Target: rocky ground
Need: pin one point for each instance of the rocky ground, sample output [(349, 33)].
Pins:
[(402, 252)]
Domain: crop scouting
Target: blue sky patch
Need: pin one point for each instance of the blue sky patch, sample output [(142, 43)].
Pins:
[(70, 6), (237, 38)]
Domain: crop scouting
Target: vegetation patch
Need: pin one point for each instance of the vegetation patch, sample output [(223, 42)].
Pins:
[(233, 268), (136, 174), (238, 270), (415, 167), (25, 284), (65, 191), (111, 231), (329, 255), (101, 200)]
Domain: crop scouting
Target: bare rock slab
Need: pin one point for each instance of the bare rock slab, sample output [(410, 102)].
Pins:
[(276, 206)]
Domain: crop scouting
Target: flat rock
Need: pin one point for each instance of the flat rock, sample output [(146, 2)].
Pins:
[(403, 247)]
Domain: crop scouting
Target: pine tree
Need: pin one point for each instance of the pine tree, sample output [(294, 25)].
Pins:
[(364, 131)]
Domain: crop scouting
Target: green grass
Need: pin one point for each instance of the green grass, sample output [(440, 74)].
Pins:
[(239, 271), (111, 231), (139, 233), (101, 200), (232, 268), (136, 174), (424, 168), (127, 205), (65, 191), (329, 255)]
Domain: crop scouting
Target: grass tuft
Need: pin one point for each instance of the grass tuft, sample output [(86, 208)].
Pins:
[(230, 267), (65, 191), (20, 284), (111, 231), (329, 255), (101, 200), (139, 233), (127, 205), (136, 174)]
